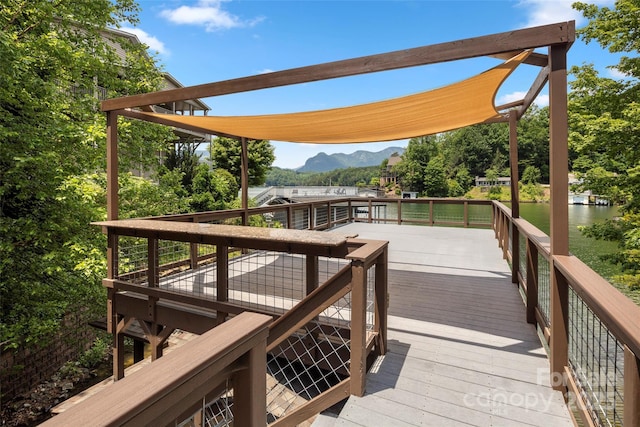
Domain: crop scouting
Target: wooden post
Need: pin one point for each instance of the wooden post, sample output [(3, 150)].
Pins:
[(358, 369), (465, 214), (494, 220), (153, 278), (513, 162), (532, 282), (559, 221), (312, 217), (559, 339), (118, 356), (244, 181), (222, 279), (290, 224), (381, 301), (250, 389), (112, 165), (311, 273), (329, 220), (112, 242), (631, 388), (399, 211), (370, 209), (138, 350), (431, 221), (515, 195)]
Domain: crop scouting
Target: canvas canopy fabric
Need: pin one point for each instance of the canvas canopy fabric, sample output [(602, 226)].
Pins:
[(465, 103)]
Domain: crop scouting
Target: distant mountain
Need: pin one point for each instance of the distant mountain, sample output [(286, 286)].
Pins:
[(324, 162)]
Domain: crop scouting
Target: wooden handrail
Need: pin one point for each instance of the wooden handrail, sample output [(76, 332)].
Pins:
[(296, 241), (160, 392), (614, 309)]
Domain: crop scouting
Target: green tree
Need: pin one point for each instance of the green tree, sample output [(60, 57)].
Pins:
[(604, 119), (435, 178), (212, 189), (531, 175), (51, 133), (226, 154), (416, 157), (182, 158), (533, 142)]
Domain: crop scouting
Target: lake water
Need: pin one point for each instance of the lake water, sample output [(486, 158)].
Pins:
[(587, 249)]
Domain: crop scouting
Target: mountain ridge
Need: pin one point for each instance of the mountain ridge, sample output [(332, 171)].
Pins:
[(323, 162)]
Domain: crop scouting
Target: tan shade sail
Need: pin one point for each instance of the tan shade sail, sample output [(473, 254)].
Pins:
[(465, 103)]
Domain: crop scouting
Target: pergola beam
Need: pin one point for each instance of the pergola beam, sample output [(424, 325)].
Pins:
[(159, 120), (534, 90), (496, 44)]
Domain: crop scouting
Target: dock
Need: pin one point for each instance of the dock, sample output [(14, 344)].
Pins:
[(460, 350)]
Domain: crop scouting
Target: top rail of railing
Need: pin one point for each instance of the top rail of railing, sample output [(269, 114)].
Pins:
[(592, 328), (167, 388), (371, 209)]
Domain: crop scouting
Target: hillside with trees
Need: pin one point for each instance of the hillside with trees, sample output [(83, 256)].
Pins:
[(445, 165), (345, 177), (604, 119)]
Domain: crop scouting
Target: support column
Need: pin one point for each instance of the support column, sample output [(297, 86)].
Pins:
[(381, 301), (112, 165), (112, 242), (244, 180), (222, 279), (631, 388), (559, 221), (515, 195), (532, 282), (249, 385), (358, 367)]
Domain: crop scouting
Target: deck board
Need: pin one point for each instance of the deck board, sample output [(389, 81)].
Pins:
[(460, 350)]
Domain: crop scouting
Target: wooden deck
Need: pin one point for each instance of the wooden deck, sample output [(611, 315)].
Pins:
[(460, 350)]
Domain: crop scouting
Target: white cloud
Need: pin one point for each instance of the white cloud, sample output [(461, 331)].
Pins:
[(542, 12), (149, 40), (209, 14), (510, 97), (265, 71), (614, 73), (541, 101)]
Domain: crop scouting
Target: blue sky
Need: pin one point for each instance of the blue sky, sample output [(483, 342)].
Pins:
[(210, 40)]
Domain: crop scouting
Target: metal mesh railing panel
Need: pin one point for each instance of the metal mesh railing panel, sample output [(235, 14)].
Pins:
[(340, 212), (415, 211), (522, 259), (309, 362), (479, 214), (321, 216), (216, 413), (200, 282), (596, 359), (448, 213), (271, 282), (544, 279), (371, 295), (300, 219), (132, 258)]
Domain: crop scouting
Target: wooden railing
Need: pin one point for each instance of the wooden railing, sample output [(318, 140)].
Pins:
[(172, 389), (326, 293), (594, 327), (324, 214)]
